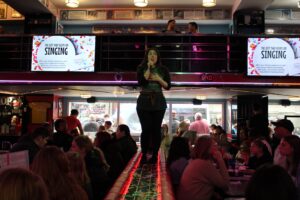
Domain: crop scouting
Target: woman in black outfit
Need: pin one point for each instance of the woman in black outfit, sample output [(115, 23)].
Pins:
[(151, 104)]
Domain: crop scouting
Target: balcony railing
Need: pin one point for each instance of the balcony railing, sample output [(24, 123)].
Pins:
[(123, 53)]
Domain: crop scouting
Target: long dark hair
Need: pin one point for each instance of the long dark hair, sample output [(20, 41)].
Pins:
[(125, 129), (145, 60), (260, 144), (179, 148), (271, 182)]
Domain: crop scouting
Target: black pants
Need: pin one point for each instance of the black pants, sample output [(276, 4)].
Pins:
[(151, 128)]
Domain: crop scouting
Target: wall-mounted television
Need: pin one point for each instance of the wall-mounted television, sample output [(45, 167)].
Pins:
[(273, 57), (59, 53)]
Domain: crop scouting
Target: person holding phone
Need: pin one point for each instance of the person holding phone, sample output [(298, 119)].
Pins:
[(151, 104), (201, 177)]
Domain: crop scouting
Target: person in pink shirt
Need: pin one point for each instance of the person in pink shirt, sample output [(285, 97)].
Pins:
[(73, 123), (199, 125)]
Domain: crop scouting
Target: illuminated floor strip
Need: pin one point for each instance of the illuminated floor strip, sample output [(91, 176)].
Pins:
[(143, 183)]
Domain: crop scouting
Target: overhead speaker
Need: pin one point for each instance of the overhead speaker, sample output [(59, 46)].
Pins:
[(197, 102), (91, 100), (285, 102)]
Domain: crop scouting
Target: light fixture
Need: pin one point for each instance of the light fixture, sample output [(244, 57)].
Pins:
[(298, 4), (72, 3), (294, 98), (270, 31), (140, 3), (200, 97), (209, 3), (85, 96)]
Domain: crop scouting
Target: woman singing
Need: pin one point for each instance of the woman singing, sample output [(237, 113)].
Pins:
[(151, 104)]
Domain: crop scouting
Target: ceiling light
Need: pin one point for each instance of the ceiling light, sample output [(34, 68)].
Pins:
[(72, 3), (270, 31), (201, 97), (85, 96), (140, 3), (294, 98), (209, 3), (298, 4)]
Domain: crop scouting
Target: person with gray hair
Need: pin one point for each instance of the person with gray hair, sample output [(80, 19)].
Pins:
[(200, 125)]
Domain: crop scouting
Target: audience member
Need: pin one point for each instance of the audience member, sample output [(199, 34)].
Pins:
[(175, 122), (73, 123), (52, 165), (201, 177), (21, 184), (192, 27), (243, 155), (107, 126), (171, 27), (271, 182), (200, 125), (32, 142), (96, 165), (283, 128), (79, 172), (166, 139), (125, 143), (179, 154), (112, 154), (260, 154), (60, 138), (101, 128), (290, 148), (92, 125), (182, 128), (191, 136)]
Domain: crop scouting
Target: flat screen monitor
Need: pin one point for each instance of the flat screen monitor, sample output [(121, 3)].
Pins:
[(63, 53), (273, 57)]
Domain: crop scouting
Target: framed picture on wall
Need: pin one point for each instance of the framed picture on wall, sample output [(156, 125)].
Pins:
[(96, 15), (3, 10), (77, 14), (123, 14)]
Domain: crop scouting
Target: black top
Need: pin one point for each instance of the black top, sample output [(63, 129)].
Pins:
[(62, 140), (151, 97), (258, 126), (255, 162), (26, 143), (97, 173)]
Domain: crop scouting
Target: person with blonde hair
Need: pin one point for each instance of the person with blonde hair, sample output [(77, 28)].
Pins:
[(21, 184), (52, 164), (201, 177)]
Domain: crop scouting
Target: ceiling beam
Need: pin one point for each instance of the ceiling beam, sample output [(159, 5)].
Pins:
[(250, 4), (28, 7)]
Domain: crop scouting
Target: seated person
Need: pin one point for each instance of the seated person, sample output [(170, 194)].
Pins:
[(271, 182), (60, 138), (18, 183), (200, 178), (32, 142), (260, 154), (179, 155), (124, 142)]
